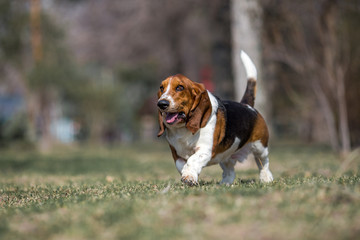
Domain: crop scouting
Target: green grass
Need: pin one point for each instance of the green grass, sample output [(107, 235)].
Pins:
[(134, 192)]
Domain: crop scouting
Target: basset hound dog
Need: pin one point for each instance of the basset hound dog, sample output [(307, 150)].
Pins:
[(203, 130)]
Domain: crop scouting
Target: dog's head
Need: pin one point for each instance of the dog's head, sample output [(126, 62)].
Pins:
[(182, 103)]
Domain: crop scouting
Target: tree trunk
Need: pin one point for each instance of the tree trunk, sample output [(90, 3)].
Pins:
[(35, 23), (343, 117), (45, 98), (332, 48), (246, 24), (327, 113), (46, 139)]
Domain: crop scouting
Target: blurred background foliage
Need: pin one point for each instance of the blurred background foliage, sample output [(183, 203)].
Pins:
[(79, 71)]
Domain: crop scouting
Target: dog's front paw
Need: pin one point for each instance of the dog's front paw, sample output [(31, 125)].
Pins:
[(189, 176), (189, 180), (266, 176)]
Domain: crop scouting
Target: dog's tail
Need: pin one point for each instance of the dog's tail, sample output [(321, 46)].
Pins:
[(251, 74)]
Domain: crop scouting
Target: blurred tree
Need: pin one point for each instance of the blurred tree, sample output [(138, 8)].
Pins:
[(186, 37), (13, 19), (13, 23), (35, 25), (351, 20), (309, 38), (56, 81), (139, 83), (46, 75)]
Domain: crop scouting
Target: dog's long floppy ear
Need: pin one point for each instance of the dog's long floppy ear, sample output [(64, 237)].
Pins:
[(161, 125), (201, 109)]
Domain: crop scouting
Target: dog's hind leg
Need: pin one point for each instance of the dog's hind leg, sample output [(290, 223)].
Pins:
[(228, 174), (262, 160)]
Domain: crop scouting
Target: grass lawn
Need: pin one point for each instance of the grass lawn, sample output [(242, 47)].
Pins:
[(134, 192)]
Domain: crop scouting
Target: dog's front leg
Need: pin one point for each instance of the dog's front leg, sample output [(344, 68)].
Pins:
[(191, 170)]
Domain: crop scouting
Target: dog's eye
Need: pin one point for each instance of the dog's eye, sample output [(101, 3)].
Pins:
[(179, 88), (161, 88)]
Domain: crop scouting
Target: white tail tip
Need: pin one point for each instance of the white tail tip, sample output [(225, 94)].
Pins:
[(249, 66)]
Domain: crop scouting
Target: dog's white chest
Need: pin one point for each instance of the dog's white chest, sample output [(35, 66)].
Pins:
[(183, 141)]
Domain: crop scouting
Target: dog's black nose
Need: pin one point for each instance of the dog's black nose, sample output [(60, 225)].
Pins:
[(163, 104)]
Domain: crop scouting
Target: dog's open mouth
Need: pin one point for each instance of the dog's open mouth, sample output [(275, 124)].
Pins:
[(172, 118)]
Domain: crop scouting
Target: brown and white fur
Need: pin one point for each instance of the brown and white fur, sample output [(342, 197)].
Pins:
[(203, 130)]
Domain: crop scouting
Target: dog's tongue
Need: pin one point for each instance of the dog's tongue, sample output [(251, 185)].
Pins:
[(171, 117)]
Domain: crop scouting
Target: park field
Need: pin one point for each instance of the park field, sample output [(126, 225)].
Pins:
[(134, 192)]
